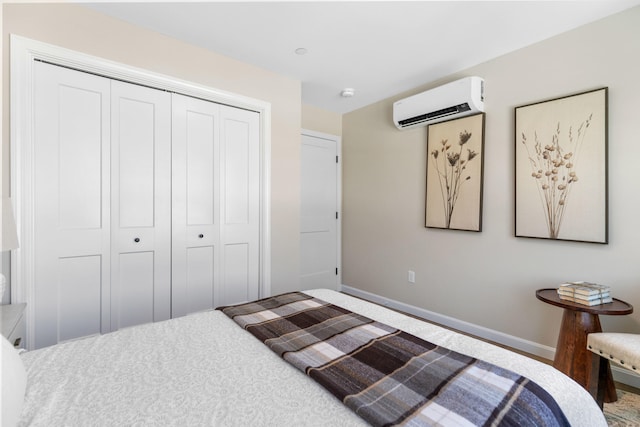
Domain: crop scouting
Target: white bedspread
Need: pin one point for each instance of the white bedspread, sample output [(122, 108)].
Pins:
[(203, 370)]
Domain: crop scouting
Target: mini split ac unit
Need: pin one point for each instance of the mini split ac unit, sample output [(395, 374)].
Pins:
[(452, 100)]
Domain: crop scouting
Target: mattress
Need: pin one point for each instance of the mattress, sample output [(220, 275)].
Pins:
[(203, 369)]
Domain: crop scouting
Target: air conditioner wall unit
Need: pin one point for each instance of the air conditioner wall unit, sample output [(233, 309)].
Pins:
[(453, 100)]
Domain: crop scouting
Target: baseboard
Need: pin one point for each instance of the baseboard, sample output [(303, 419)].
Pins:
[(625, 376), (540, 350)]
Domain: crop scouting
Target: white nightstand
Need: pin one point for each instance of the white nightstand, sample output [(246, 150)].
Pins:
[(12, 324)]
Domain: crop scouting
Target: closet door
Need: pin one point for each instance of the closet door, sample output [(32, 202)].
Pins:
[(240, 205), (71, 205), (196, 205), (140, 205), (216, 205)]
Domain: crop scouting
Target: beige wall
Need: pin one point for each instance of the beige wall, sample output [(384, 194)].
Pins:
[(319, 120), (77, 28), (489, 278)]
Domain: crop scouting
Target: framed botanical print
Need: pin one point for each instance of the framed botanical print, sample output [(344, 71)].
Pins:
[(455, 155), (561, 168)]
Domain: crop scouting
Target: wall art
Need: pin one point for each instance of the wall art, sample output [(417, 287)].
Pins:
[(561, 168), (455, 152)]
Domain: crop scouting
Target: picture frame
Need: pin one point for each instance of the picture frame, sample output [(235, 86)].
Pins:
[(561, 168), (455, 161)]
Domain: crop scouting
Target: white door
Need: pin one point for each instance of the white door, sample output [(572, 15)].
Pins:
[(71, 205), (103, 205), (319, 212), (239, 205), (196, 204), (140, 205), (216, 205), (61, 181)]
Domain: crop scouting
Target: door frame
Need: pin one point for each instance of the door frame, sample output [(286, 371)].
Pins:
[(338, 140), (23, 53)]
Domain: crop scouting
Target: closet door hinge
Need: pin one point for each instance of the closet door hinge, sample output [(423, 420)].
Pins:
[(336, 159), (336, 271)]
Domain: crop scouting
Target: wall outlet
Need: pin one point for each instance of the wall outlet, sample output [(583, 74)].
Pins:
[(411, 276)]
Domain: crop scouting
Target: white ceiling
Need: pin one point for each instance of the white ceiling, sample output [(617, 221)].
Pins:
[(379, 48)]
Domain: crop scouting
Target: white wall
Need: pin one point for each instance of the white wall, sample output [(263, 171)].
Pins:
[(489, 278)]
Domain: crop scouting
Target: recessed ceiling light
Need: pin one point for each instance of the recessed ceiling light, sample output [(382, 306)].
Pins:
[(347, 92), (301, 51)]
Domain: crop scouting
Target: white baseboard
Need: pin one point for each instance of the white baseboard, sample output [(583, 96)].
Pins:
[(625, 376), (619, 374)]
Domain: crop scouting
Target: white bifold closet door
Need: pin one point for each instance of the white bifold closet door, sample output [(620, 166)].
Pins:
[(140, 205), (240, 205), (71, 293), (215, 205), (146, 205), (196, 202), (102, 205)]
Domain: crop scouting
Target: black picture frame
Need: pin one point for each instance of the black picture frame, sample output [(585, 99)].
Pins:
[(455, 161), (561, 168)]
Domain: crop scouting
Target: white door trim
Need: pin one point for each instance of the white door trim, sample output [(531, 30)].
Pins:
[(23, 53), (338, 141)]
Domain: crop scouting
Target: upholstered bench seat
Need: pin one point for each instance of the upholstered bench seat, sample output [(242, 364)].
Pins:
[(623, 349)]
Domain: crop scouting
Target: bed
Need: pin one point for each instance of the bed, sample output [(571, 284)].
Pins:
[(205, 370)]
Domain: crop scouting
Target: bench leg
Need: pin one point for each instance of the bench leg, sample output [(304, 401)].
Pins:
[(599, 377)]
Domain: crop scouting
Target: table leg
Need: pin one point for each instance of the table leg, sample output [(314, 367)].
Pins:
[(572, 356)]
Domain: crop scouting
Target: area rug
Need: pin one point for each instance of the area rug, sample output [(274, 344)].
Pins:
[(624, 412)]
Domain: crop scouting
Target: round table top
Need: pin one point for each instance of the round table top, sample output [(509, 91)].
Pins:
[(615, 308)]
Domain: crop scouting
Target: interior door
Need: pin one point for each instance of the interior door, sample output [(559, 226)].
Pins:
[(71, 204), (216, 205), (103, 205), (319, 212), (140, 205), (196, 204)]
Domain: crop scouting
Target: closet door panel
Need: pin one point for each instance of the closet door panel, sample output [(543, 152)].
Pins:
[(240, 192), (71, 204), (80, 292), (201, 156), (136, 155), (196, 205), (80, 158), (237, 171), (200, 278), (141, 205), (238, 286), (136, 290)]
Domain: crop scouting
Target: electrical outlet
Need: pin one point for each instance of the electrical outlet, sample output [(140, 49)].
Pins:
[(411, 276)]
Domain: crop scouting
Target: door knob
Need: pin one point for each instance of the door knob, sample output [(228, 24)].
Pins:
[(201, 235), (137, 239)]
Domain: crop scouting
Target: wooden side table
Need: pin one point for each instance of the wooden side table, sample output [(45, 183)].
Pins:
[(572, 356)]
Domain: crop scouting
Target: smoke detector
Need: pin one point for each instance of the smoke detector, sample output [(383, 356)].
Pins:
[(347, 92)]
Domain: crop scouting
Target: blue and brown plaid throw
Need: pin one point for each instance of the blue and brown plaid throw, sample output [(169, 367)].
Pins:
[(390, 377)]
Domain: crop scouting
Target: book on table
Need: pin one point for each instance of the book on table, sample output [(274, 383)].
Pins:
[(572, 294), (589, 302), (583, 289)]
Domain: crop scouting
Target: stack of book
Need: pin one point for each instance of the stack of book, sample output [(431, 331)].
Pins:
[(585, 293)]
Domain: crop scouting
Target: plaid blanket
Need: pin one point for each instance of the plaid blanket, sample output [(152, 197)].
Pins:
[(390, 377)]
